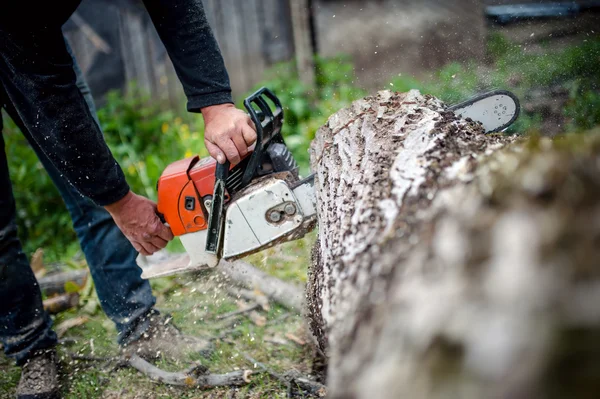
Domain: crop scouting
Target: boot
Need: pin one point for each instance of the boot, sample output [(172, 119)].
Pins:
[(39, 377)]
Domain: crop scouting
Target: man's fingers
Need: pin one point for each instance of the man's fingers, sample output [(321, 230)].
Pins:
[(249, 135), (149, 247), (215, 151), (160, 230), (251, 124), (140, 249), (159, 242), (240, 144), (165, 233), (231, 152)]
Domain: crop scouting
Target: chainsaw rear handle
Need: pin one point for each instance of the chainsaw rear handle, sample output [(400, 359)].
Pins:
[(268, 126), (268, 123)]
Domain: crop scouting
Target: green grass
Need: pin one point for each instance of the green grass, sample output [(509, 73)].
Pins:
[(194, 305)]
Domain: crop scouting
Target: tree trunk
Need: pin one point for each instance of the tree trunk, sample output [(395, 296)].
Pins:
[(453, 264)]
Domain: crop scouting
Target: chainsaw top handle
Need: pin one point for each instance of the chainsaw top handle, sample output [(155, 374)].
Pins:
[(268, 124)]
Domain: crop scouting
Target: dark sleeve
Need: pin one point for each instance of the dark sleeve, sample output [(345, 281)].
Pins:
[(36, 72), (184, 30)]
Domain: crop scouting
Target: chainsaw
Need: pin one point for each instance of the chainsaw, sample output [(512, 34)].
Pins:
[(224, 211)]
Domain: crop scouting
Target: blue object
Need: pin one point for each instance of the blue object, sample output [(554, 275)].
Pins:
[(125, 297), (514, 12)]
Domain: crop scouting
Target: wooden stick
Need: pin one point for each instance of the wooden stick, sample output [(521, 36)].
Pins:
[(239, 311), (66, 325), (61, 303), (291, 378), (235, 378), (256, 363), (246, 275), (55, 283)]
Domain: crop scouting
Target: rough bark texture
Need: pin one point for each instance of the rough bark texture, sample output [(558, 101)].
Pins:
[(453, 264)]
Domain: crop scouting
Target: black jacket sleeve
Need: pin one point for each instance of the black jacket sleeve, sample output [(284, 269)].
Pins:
[(185, 32), (36, 73)]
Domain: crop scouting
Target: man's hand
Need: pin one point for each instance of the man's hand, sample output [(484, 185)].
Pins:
[(136, 217), (229, 132)]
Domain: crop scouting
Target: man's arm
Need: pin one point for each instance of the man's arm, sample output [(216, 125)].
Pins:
[(184, 30), (36, 72)]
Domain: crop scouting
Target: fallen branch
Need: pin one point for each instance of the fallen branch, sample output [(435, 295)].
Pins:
[(197, 377), (256, 363), (66, 325), (291, 379), (247, 309), (61, 303), (248, 276), (55, 283)]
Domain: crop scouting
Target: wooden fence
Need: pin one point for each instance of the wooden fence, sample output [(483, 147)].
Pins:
[(116, 43)]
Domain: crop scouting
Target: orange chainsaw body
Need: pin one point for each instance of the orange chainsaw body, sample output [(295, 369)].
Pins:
[(182, 189)]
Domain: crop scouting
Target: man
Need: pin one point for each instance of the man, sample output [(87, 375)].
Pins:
[(39, 90)]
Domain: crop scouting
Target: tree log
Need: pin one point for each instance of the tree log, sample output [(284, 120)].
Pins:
[(450, 263), (55, 283), (61, 302)]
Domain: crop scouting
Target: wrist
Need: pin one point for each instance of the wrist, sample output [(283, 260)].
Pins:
[(115, 207), (207, 112)]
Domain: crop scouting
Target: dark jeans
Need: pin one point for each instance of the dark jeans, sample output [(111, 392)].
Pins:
[(124, 296)]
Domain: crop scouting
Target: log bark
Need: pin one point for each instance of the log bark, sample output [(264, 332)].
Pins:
[(453, 264)]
